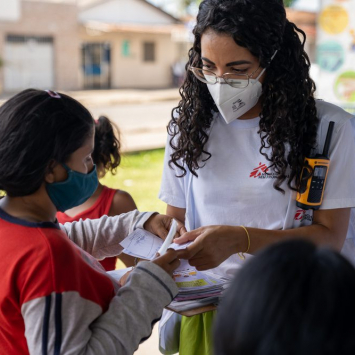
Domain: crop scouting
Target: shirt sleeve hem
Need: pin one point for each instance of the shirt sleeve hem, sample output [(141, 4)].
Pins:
[(172, 200), (142, 219)]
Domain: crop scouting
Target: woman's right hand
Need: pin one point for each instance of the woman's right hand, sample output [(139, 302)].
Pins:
[(211, 245), (168, 262)]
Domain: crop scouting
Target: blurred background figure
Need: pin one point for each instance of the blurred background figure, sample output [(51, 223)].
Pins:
[(293, 298), (178, 72)]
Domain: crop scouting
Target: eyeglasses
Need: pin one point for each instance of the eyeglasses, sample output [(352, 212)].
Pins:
[(232, 79)]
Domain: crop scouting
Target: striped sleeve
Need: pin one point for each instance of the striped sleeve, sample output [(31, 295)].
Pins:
[(67, 323)]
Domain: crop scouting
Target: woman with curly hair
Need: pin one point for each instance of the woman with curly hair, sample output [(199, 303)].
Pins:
[(238, 141)]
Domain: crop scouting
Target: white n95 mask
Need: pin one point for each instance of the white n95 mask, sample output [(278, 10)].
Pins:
[(235, 102)]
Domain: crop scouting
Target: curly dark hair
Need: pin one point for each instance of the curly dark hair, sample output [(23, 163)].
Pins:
[(288, 118), (107, 145)]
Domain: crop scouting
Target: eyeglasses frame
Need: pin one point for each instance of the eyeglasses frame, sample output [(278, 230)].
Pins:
[(249, 76)]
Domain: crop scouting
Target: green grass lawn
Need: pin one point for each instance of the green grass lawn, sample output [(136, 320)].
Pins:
[(140, 175)]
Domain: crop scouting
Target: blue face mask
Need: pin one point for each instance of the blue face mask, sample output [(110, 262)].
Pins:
[(74, 191)]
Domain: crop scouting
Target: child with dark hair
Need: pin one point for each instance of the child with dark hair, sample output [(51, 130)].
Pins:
[(105, 201), (54, 298), (293, 298)]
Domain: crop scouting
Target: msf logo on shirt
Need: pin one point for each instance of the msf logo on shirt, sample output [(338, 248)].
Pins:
[(302, 215), (237, 105), (260, 170)]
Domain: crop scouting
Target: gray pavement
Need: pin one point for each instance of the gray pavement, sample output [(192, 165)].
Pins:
[(141, 115), (142, 125), (123, 96), (151, 345)]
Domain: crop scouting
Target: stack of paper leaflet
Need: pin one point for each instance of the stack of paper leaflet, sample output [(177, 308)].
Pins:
[(196, 288)]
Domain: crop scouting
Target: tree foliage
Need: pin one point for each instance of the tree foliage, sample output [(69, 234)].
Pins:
[(288, 3), (188, 3)]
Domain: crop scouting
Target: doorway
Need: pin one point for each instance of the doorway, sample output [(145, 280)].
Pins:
[(96, 64)]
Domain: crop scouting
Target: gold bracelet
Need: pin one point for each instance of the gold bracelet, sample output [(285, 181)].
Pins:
[(241, 255)]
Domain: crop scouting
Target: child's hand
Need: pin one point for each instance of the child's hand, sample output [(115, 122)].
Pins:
[(169, 261), (159, 225)]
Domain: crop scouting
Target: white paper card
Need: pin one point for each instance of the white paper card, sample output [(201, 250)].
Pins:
[(144, 245), (141, 244)]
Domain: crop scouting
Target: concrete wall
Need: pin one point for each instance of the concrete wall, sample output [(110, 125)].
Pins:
[(58, 21)]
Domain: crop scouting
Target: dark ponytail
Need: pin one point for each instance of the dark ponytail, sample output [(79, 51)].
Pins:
[(107, 145)]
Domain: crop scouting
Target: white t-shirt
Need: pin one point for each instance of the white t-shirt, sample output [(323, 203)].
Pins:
[(234, 187)]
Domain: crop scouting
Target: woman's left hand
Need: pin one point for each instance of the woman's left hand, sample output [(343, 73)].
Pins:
[(159, 224), (212, 245)]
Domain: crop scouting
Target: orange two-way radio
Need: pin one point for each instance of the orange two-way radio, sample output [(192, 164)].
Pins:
[(310, 194)]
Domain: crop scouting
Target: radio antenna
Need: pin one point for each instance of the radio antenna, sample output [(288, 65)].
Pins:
[(328, 139)]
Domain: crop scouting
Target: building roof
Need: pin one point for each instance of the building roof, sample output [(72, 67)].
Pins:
[(87, 4), (88, 8), (176, 30)]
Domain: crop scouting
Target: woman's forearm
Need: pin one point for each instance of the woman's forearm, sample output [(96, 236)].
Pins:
[(329, 228)]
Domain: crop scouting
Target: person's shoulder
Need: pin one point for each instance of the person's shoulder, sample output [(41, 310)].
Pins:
[(41, 259), (327, 112), (122, 202), (38, 235), (58, 244)]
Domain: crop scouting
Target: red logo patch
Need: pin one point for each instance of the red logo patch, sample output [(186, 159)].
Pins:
[(299, 215), (262, 168)]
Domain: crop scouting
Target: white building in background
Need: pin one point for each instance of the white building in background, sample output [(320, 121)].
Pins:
[(76, 44), (39, 44), (129, 43)]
